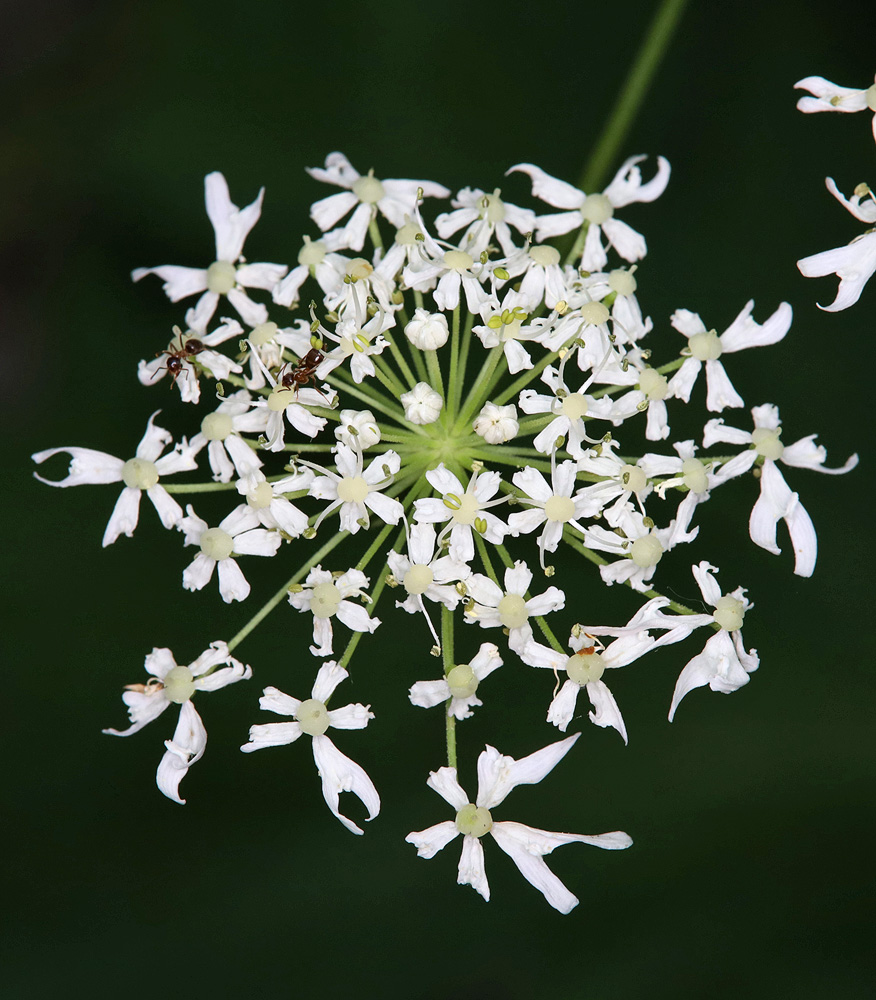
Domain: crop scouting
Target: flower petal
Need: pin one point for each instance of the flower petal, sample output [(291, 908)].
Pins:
[(340, 774)]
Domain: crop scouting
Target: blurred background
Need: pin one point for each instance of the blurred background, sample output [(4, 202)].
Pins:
[(753, 816)]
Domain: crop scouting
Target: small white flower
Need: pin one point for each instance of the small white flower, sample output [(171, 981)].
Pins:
[(220, 432), (172, 684), (367, 195), (326, 595), (357, 340), (422, 404), (271, 507), (427, 331), (453, 270), (723, 664), (549, 504), (238, 534), (464, 509), (776, 501), (312, 717), (316, 258), (827, 96), (140, 473), (525, 845), (706, 347), (507, 325), (543, 277), (356, 490), (422, 575), (597, 209), (650, 394), (854, 264), (458, 686), (510, 609), (497, 424), (358, 429), (225, 276), (484, 214)]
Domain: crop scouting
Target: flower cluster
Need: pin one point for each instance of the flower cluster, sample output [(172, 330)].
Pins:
[(467, 402)]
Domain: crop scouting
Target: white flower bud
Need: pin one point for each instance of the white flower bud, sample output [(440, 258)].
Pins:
[(428, 331), (422, 404), (358, 428), (497, 424)]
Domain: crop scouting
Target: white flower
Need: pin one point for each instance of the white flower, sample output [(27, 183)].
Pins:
[(707, 347), (650, 394), (316, 258), (854, 264), (776, 501), (356, 491), (507, 326), (367, 195), (358, 428), (526, 846), (723, 664), (358, 341), (220, 432), (452, 269), (168, 684), (238, 534), (464, 509), (551, 505), (458, 687), (140, 473), (422, 404), (186, 348), (543, 278), (828, 96), (421, 575), (337, 772), (497, 424), (511, 610), (597, 209), (271, 507), (484, 214), (428, 331), (640, 543), (326, 595), (224, 276)]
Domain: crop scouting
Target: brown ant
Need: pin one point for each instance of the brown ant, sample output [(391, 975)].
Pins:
[(177, 355), (302, 372)]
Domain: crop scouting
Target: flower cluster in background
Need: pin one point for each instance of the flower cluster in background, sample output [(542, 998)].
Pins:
[(432, 408)]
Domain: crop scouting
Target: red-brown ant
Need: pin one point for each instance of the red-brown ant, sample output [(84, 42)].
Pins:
[(176, 356), (302, 372)]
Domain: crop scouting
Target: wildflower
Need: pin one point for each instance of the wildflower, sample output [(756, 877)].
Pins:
[(776, 501), (423, 575), (706, 347), (723, 664), (186, 379), (356, 490), (510, 609), (225, 276), (827, 96), (525, 845), (458, 686), (327, 595), (174, 684), (551, 505), (854, 264), (484, 214), (367, 195), (427, 331), (221, 433), (313, 718), (464, 509), (597, 209), (140, 473), (238, 534), (497, 424), (271, 507), (422, 404)]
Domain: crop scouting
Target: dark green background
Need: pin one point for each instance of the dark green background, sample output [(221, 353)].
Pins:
[(752, 815)]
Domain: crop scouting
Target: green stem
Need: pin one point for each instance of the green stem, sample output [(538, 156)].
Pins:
[(485, 558), (400, 359), (447, 659), (454, 375), (633, 93), (463, 361), (474, 399)]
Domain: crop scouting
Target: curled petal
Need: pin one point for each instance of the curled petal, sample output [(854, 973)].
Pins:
[(434, 839), (471, 867), (186, 747), (340, 774)]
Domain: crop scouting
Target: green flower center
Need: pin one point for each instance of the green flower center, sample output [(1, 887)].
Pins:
[(262, 496), (545, 256), (457, 260), (574, 406), (139, 473), (594, 313), (597, 209), (354, 489), (264, 333), (512, 611), (216, 426), (729, 613), (646, 551), (465, 508), (313, 717), (369, 190), (311, 253), (766, 442), (179, 685), (325, 600), (695, 476), (221, 277), (653, 384), (462, 681), (217, 544), (418, 579), (559, 509), (705, 346), (280, 399), (474, 821), (623, 282), (584, 668)]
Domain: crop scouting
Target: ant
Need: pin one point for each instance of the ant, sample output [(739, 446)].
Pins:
[(302, 372), (176, 356)]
